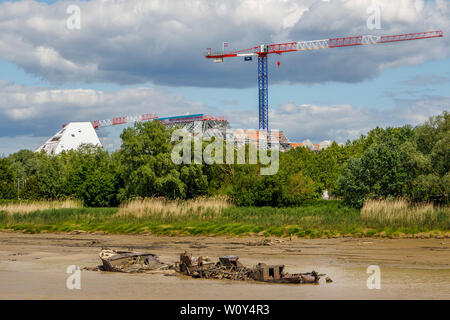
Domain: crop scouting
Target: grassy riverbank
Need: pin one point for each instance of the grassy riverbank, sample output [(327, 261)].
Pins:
[(219, 217)]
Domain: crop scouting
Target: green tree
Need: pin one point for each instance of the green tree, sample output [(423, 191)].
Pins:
[(401, 162), (432, 141), (50, 177), (7, 178), (380, 172), (91, 176), (147, 168), (351, 184), (99, 189), (297, 189)]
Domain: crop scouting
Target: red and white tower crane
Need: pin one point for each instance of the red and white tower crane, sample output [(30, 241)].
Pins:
[(262, 51)]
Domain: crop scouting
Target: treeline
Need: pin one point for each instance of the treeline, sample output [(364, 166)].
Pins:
[(403, 162)]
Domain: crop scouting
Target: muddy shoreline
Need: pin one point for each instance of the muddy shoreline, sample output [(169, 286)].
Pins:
[(33, 266)]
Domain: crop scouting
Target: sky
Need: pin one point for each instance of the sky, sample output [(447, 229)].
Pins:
[(133, 57)]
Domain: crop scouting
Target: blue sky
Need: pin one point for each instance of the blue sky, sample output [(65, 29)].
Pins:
[(154, 63)]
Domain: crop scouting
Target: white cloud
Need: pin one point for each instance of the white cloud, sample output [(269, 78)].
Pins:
[(40, 111), (342, 122), (135, 41)]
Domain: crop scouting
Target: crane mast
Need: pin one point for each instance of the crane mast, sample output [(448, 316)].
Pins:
[(262, 51)]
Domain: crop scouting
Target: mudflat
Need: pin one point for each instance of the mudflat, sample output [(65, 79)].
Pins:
[(33, 266)]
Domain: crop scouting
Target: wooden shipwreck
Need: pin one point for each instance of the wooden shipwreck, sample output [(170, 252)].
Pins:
[(229, 267)]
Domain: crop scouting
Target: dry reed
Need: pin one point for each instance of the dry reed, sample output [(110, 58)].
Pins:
[(27, 207), (174, 208), (399, 211)]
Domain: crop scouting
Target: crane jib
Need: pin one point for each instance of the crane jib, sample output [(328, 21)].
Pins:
[(322, 44)]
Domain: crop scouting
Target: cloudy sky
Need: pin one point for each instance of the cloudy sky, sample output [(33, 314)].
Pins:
[(147, 56)]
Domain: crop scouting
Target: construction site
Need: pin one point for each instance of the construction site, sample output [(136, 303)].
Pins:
[(105, 133)]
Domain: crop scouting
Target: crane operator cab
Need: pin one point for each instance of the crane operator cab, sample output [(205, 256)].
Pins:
[(264, 48)]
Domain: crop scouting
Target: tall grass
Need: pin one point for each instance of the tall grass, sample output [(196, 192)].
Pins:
[(165, 208), (199, 216), (25, 207), (217, 216), (401, 212)]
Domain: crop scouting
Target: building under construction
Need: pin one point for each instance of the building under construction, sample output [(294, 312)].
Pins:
[(74, 134)]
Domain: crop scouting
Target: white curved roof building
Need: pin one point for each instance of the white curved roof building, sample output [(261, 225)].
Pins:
[(71, 137)]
